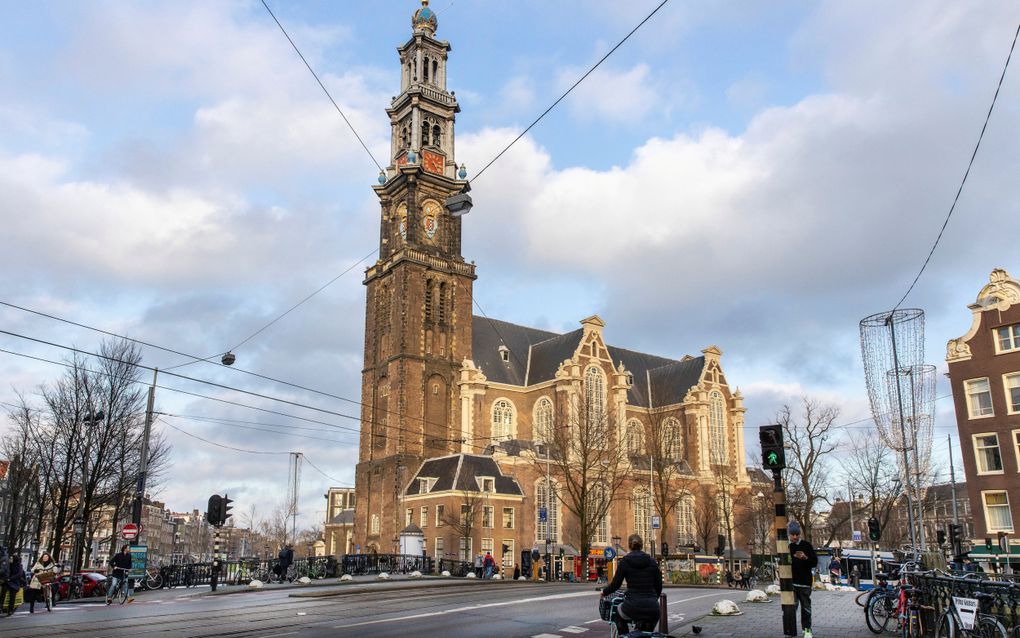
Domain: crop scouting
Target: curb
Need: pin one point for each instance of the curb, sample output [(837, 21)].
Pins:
[(463, 582)]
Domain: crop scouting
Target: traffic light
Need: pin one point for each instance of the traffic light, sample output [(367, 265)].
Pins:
[(773, 456), (225, 509), (940, 537), (665, 548), (506, 549), (955, 539), (215, 509), (874, 531), (988, 543)]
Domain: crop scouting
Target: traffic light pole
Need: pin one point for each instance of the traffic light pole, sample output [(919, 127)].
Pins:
[(786, 596), (216, 558)]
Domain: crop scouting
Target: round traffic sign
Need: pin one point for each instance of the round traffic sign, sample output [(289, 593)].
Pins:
[(610, 553), (129, 532)]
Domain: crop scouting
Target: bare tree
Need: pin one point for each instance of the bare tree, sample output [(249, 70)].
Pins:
[(590, 466), (673, 481), (465, 521), (759, 520), (706, 515), (809, 442), (872, 473)]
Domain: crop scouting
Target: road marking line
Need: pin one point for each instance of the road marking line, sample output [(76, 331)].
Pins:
[(588, 622), (462, 609), (289, 633), (546, 636), (574, 630)]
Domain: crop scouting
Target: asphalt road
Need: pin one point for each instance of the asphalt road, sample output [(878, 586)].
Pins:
[(449, 610)]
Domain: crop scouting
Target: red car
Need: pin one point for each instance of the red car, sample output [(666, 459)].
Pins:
[(92, 584)]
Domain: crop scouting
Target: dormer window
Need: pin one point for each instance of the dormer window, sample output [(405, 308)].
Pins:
[(504, 354), (425, 485), (630, 378), (486, 484)]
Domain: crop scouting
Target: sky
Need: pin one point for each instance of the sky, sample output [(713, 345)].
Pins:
[(755, 176)]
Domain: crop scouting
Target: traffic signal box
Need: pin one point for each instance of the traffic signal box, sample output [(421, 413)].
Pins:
[(214, 511), (773, 456), (874, 531), (225, 509)]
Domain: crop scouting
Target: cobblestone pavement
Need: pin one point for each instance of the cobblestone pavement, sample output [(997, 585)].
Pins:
[(833, 615)]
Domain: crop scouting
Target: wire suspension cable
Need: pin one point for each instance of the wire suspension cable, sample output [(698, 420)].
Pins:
[(323, 86), (574, 86), (965, 174)]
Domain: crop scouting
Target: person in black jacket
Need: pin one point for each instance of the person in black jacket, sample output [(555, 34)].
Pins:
[(644, 585), (803, 560), (15, 581), (121, 564)]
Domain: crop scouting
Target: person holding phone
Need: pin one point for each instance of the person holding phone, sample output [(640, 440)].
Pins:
[(804, 560)]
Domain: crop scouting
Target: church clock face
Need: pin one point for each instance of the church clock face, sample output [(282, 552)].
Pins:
[(402, 221), (430, 218)]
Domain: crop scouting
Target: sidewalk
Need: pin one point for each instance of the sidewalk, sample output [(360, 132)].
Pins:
[(833, 614)]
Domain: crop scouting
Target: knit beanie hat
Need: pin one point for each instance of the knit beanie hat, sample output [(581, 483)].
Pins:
[(793, 528)]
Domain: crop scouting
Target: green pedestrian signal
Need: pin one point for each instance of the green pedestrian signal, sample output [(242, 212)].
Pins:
[(773, 456)]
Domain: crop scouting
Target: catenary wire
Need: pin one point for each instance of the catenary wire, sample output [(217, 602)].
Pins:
[(574, 86), (965, 174), (321, 85), (255, 428)]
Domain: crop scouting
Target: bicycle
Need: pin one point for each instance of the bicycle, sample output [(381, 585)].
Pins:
[(982, 623), (153, 579), (120, 590), (880, 606), (609, 610)]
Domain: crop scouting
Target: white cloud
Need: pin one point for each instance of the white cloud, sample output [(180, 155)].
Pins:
[(619, 96)]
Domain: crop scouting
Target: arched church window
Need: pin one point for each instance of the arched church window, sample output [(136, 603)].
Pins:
[(425, 130), (428, 299), (543, 420), (717, 427), (503, 420), (673, 439), (595, 405), (635, 438), (425, 70), (642, 500), (435, 72)]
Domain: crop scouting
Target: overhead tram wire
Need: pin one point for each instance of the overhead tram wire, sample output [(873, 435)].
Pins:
[(281, 316), (256, 429), (965, 174), (423, 420), (568, 91), (217, 399)]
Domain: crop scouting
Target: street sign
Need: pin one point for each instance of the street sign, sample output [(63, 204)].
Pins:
[(656, 522), (610, 553), (130, 532), (857, 536)]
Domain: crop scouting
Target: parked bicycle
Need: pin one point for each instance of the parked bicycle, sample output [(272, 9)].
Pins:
[(881, 606), (971, 618)]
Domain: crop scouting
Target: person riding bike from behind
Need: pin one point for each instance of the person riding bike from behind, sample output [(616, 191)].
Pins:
[(121, 564), (644, 586)]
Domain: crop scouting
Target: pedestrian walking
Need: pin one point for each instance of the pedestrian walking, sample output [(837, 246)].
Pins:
[(5, 571), (286, 557), (489, 563), (15, 582), (804, 560), (517, 571), (835, 571), (478, 565), (855, 575)]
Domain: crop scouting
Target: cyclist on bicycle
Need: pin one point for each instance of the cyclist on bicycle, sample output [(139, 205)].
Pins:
[(644, 586), (121, 564), (44, 572)]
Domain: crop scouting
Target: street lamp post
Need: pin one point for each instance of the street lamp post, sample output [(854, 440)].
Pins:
[(79, 517), (34, 545)]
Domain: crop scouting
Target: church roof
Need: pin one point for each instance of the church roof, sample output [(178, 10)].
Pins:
[(459, 471), (535, 355)]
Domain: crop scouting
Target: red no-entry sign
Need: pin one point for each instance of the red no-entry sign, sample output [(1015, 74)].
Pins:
[(129, 532)]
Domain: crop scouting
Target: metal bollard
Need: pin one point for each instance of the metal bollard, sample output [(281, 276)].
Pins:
[(663, 615)]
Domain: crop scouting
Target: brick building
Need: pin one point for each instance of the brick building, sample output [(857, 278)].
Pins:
[(984, 370), (460, 409)]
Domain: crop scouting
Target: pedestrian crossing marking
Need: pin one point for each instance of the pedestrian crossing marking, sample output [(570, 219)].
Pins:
[(574, 630), (546, 636)]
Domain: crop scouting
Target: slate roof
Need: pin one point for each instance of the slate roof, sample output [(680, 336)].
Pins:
[(535, 355), (459, 471), (345, 517)]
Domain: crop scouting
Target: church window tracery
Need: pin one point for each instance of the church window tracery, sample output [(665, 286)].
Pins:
[(635, 438), (503, 420), (595, 405), (543, 420), (673, 436), (717, 427)]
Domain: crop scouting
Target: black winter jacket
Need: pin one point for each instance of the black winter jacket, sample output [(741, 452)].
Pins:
[(802, 567), (642, 573), (122, 562)]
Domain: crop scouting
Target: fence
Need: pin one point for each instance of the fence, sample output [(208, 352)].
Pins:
[(358, 564), (936, 590)]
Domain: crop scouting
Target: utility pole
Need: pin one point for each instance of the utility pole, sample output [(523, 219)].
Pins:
[(952, 480), (143, 463), (850, 499)]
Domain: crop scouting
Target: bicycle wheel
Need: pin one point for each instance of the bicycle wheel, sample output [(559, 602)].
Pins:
[(989, 627), (880, 613), (613, 631), (122, 593), (48, 597), (946, 626), (153, 580)]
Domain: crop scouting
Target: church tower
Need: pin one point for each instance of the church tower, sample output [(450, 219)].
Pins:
[(418, 312)]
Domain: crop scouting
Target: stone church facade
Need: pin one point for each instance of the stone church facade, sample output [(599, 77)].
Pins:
[(457, 408)]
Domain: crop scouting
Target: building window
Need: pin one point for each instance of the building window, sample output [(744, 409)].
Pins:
[(375, 523), (1012, 384), (488, 513), (1016, 447), (595, 403), (674, 440), (487, 485), (685, 521), (440, 546), (465, 549), (408, 517), (642, 512), (979, 398), (508, 558), (986, 452), (546, 530), (440, 513), (543, 420), (423, 518), (486, 546), (502, 420), (1007, 338), (601, 535), (424, 485), (508, 518), (717, 427), (467, 515), (635, 438), (998, 518)]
